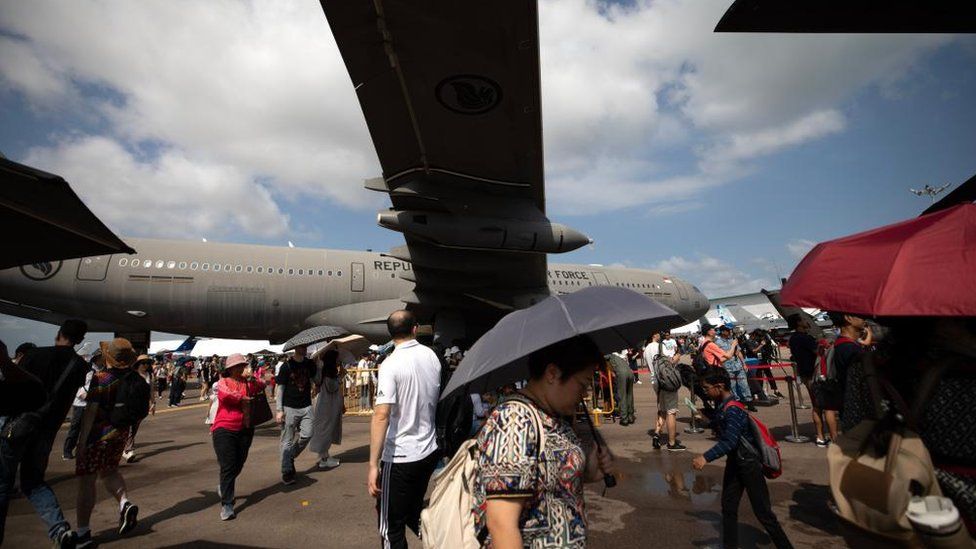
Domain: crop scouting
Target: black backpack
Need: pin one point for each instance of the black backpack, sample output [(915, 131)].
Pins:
[(453, 416), (701, 362), (131, 400)]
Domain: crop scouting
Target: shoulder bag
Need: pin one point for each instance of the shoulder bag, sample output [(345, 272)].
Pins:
[(260, 409)]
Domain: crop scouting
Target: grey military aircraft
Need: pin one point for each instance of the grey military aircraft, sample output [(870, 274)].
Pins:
[(265, 292), (452, 100)]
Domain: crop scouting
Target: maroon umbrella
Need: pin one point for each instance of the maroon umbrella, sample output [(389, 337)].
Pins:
[(924, 266)]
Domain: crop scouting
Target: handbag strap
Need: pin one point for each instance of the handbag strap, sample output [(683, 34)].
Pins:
[(880, 389), (537, 419)]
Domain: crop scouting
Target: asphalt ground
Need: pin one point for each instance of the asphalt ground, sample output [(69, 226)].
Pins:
[(659, 500)]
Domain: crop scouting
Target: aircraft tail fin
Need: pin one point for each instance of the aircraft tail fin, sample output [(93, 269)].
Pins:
[(786, 312), (725, 315), (186, 346), (741, 314)]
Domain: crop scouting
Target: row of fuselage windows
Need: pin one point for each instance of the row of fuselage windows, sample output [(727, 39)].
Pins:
[(641, 285), (619, 284), (136, 263)]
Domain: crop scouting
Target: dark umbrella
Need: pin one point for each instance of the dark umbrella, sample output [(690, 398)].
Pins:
[(44, 220), (314, 335), (614, 318)]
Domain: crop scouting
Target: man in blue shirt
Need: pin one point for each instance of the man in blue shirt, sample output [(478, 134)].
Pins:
[(743, 470), (735, 367)]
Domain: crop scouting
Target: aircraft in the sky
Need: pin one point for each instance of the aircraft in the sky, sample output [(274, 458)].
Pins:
[(452, 99), (930, 191)]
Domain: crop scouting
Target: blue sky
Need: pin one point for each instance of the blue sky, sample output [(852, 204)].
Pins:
[(719, 158)]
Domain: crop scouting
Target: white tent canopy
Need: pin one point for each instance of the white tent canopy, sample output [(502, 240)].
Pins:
[(164, 345), (224, 347), (219, 347)]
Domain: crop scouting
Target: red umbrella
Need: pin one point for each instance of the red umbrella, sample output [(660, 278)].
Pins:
[(925, 266)]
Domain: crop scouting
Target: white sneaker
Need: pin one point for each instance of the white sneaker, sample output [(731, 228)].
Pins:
[(128, 456), (328, 463)]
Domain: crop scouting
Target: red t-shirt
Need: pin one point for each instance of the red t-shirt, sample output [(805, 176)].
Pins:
[(714, 355), (231, 411)]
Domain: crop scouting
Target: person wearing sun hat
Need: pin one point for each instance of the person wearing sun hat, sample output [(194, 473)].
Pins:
[(101, 443), (734, 364), (232, 431), (143, 365)]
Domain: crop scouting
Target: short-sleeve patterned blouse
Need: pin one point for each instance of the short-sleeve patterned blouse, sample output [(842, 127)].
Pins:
[(510, 466)]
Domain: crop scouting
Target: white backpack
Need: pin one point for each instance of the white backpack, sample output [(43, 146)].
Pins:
[(448, 520)]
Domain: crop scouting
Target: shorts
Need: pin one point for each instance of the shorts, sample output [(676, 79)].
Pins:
[(102, 457), (667, 402)]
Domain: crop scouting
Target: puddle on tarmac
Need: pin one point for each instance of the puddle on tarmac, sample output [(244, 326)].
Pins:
[(700, 489)]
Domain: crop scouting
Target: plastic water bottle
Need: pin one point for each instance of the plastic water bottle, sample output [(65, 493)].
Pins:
[(937, 523)]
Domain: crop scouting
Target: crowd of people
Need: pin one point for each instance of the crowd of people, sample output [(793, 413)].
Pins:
[(532, 458)]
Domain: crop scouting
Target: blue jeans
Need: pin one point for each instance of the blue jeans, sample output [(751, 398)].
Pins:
[(739, 384), (298, 424), (30, 456)]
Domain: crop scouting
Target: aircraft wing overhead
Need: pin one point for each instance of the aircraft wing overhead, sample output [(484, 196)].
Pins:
[(450, 90), (451, 96)]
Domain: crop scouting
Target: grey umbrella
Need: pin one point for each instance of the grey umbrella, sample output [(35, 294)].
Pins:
[(314, 335), (614, 318)]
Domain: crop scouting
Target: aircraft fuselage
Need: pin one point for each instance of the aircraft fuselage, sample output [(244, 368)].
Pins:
[(261, 292)]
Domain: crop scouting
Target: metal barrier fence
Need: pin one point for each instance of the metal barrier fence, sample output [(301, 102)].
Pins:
[(359, 391)]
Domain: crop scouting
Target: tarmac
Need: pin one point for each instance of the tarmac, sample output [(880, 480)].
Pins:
[(659, 500)]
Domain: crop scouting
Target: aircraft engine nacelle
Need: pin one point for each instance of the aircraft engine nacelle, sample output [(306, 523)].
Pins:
[(367, 319), (484, 232)]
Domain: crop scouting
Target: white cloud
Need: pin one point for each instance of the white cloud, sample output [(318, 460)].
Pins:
[(621, 81), (799, 247), (260, 86), (715, 277), (745, 145), (170, 196)]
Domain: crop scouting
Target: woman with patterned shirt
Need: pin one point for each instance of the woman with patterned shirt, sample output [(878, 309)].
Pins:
[(101, 443), (532, 465)]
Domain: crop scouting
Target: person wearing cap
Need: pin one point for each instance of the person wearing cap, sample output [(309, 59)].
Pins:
[(710, 354), (61, 371), (231, 430), (143, 365), (734, 365), (101, 443)]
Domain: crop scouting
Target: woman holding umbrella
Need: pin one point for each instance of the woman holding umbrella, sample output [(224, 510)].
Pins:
[(528, 491), (532, 465), (915, 278)]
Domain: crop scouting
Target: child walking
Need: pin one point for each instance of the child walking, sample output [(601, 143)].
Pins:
[(743, 470)]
